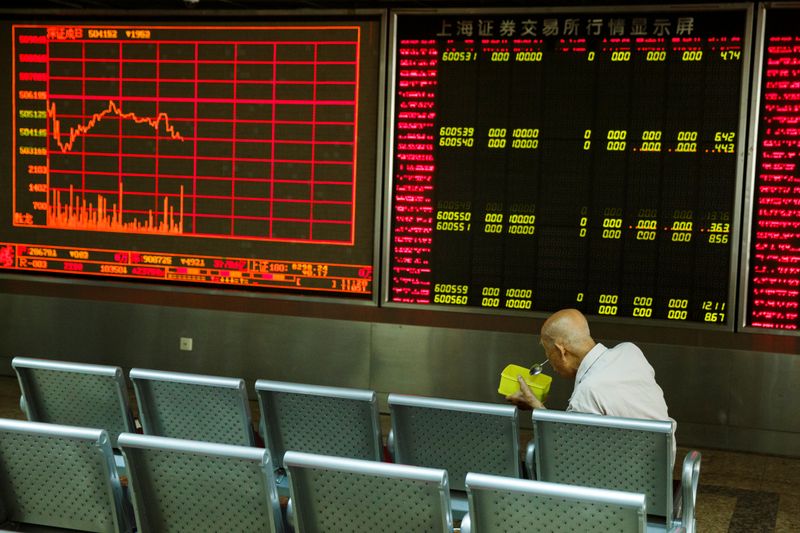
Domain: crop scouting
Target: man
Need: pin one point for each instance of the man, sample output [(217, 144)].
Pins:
[(614, 381)]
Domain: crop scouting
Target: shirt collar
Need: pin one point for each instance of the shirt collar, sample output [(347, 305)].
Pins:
[(591, 358)]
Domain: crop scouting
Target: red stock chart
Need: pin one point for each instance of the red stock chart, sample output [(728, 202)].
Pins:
[(217, 154)]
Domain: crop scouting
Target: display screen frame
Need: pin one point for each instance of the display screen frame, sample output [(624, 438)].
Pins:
[(741, 149), (368, 215), (754, 126)]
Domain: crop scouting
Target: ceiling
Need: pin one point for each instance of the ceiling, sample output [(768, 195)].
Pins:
[(298, 4), (249, 4)]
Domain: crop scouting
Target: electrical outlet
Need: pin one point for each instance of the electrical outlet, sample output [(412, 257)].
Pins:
[(186, 344)]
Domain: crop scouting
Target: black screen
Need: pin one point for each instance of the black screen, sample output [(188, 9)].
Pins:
[(550, 160)]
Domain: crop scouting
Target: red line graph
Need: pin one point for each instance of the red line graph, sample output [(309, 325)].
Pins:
[(254, 130), (112, 108)]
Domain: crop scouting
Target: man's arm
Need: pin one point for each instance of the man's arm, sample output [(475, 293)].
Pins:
[(524, 398)]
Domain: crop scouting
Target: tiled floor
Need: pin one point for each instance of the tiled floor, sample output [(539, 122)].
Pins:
[(739, 492), (748, 493)]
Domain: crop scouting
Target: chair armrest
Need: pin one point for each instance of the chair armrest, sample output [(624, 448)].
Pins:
[(466, 524), (262, 428), (291, 527), (390, 446), (530, 465), (23, 407), (690, 476)]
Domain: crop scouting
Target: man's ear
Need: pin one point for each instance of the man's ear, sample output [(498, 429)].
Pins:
[(561, 349)]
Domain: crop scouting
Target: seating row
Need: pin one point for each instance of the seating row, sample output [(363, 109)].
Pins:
[(62, 476), (461, 437), (301, 417)]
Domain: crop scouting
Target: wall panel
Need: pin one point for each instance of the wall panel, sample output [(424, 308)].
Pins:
[(733, 391)]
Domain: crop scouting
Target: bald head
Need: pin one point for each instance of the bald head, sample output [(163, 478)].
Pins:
[(568, 328)]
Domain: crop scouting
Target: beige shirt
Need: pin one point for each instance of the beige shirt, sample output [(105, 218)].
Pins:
[(619, 381)]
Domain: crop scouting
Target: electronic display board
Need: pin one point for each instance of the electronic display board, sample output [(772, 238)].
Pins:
[(772, 286), (551, 159), (221, 154)]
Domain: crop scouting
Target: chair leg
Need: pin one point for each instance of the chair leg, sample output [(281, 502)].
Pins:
[(690, 477)]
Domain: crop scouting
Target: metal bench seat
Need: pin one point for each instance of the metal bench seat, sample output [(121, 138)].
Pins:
[(75, 394), (193, 406), (203, 487), (59, 476), (506, 505), (616, 453), (336, 494)]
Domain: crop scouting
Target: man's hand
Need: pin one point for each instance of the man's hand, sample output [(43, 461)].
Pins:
[(524, 398)]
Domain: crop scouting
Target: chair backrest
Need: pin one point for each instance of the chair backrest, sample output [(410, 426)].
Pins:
[(59, 476), (316, 419), (333, 494), (455, 435), (183, 485), (608, 452), (193, 407), (75, 394), (499, 504)]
